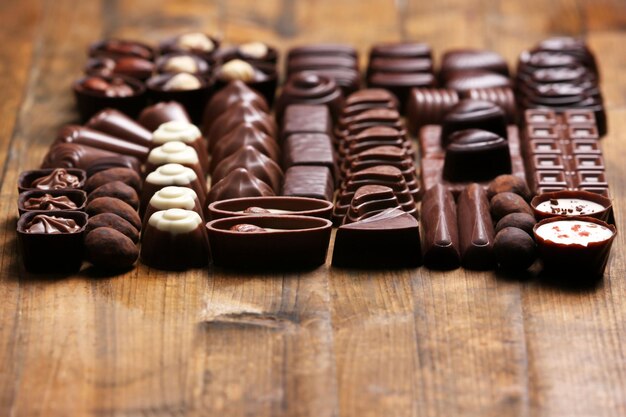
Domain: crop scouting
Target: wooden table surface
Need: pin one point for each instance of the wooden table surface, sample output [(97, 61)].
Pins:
[(323, 343)]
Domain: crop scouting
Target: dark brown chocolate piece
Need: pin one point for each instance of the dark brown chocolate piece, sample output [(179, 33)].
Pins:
[(428, 106), (57, 179), (236, 115), (309, 181), (502, 96), (113, 221), (238, 183), (507, 203), (310, 88), (47, 224), (190, 90), (171, 175), (373, 137), (155, 115), (367, 99), (310, 149), (121, 48), (75, 155), (514, 249), (464, 60), (125, 175), (96, 93), (49, 200), (473, 114), (245, 134), (253, 52), (287, 206), (95, 139), (389, 239), (178, 62), (306, 118), (465, 81), (116, 189), (197, 43), (109, 249), (322, 49), (255, 162), (401, 50), (113, 205), (370, 200), (400, 84), (476, 233), (440, 234), (127, 66), (117, 124)]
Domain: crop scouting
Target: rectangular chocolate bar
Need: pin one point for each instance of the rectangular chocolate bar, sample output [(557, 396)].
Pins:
[(309, 181), (314, 149), (306, 118)]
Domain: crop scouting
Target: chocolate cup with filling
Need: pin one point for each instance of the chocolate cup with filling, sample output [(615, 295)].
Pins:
[(440, 233), (93, 138), (166, 111), (388, 239), (191, 91), (261, 77), (96, 93), (473, 114), (117, 48), (127, 66), (177, 131), (196, 43), (238, 114), (476, 155), (310, 88), (88, 158), (253, 52), (177, 62), (171, 175), (51, 200), (117, 124), (52, 243), (172, 197), (234, 92), (51, 179), (244, 135), (255, 206), (284, 242), (238, 183), (571, 203), (175, 240), (255, 162), (576, 249), (175, 153)]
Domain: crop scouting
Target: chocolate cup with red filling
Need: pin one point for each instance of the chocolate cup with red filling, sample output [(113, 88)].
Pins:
[(577, 211), (94, 94), (575, 263), (52, 252), (36, 200)]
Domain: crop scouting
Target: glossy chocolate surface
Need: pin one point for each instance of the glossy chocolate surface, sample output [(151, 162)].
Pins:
[(473, 114), (440, 233), (255, 162), (476, 232), (95, 139), (309, 149), (51, 179), (463, 60), (244, 135), (428, 106), (238, 183), (401, 50), (192, 92), (306, 118), (309, 181), (571, 204), (310, 88), (237, 115), (117, 124), (49, 200), (96, 93), (155, 115), (121, 48), (75, 155), (254, 206)]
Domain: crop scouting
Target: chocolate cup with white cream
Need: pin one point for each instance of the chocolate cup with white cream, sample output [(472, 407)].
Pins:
[(189, 134), (571, 203), (172, 197), (175, 153), (171, 174)]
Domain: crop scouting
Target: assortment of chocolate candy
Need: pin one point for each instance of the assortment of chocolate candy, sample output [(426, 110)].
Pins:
[(132, 182)]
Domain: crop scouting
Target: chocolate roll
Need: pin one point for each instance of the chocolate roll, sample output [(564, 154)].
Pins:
[(255, 162), (127, 66), (92, 138), (309, 181), (171, 174), (74, 155), (310, 88), (175, 239), (245, 134), (236, 115), (154, 116), (238, 183), (190, 90), (196, 43), (96, 93), (440, 233), (259, 76), (175, 63), (177, 131), (116, 48), (428, 106), (476, 233), (473, 114), (172, 197), (175, 153), (502, 96), (51, 179), (400, 84), (117, 124)]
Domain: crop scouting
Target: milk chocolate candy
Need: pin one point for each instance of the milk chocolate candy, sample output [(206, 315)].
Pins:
[(127, 66), (389, 239), (96, 93), (117, 124), (440, 233), (245, 134), (502, 96), (121, 48), (167, 175), (473, 114), (310, 88), (155, 115), (51, 200), (196, 43), (236, 115), (369, 200), (306, 118), (283, 206), (401, 50), (175, 63), (52, 242), (191, 91), (476, 155), (253, 52), (255, 162), (373, 137), (464, 81), (310, 149), (261, 77), (85, 136), (428, 106), (238, 183), (309, 181), (75, 155), (464, 60), (172, 197), (51, 179), (175, 239), (400, 84), (367, 99), (476, 233), (235, 91), (175, 153), (322, 49), (177, 131)]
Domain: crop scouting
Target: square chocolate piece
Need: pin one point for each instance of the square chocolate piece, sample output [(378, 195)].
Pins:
[(309, 181)]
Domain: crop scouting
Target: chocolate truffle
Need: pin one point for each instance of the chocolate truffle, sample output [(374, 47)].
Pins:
[(196, 43)]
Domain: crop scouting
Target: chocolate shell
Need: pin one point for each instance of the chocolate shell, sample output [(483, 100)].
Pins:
[(96, 93), (175, 153), (193, 96), (155, 115), (367, 99), (51, 200), (238, 183), (177, 131), (284, 206), (236, 115), (306, 118), (51, 179), (255, 162), (241, 136), (74, 155)]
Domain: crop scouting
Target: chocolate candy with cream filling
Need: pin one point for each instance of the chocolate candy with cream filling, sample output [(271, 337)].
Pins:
[(171, 174), (175, 153), (262, 77), (179, 131), (127, 66), (117, 48), (51, 179), (96, 93), (50, 200), (177, 62), (190, 90), (196, 43)]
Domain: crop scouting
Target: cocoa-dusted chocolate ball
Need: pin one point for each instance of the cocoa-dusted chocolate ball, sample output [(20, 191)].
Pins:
[(509, 183), (507, 203), (514, 249), (523, 221)]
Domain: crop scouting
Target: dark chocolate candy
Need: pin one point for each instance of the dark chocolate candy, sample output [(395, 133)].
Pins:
[(59, 251), (74, 155), (119, 190), (109, 249), (401, 50), (310, 149), (369, 200), (367, 99), (502, 96), (96, 93), (190, 90), (121, 48), (287, 206), (476, 233), (476, 155), (96, 139), (320, 62), (309, 181), (389, 239), (254, 52), (236, 115), (178, 62), (51, 179), (322, 49), (464, 81), (403, 65), (127, 66), (125, 175), (255, 162), (440, 236), (113, 221), (238, 183), (306, 118), (155, 115), (50, 200), (400, 84), (463, 60), (310, 88), (117, 124), (428, 106), (246, 134), (474, 114), (514, 249), (261, 77), (113, 205), (373, 137)]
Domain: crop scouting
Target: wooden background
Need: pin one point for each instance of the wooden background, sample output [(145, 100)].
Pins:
[(323, 343)]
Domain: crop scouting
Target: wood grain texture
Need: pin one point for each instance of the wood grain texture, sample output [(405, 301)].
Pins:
[(329, 342)]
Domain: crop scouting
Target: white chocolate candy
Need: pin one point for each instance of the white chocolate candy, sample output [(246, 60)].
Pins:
[(573, 232), (172, 174), (182, 63), (254, 49), (176, 130), (174, 197), (182, 82), (570, 207), (196, 41), (175, 220), (173, 152), (237, 70)]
